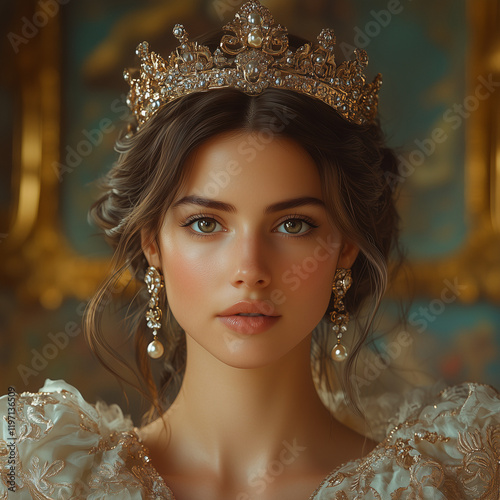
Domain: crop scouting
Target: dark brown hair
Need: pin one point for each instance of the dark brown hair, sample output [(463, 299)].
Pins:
[(353, 163)]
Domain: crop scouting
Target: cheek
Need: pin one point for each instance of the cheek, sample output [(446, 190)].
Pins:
[(307, 291), (313, 291), (188, 272), (310, 273)]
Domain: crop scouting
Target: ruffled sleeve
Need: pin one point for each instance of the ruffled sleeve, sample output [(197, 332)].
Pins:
[(53, 444), (447, 448)]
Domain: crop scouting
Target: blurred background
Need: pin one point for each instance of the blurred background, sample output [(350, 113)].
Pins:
[(62, 104)]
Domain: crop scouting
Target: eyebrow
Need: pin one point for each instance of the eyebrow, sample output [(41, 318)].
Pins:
[(227, 207)]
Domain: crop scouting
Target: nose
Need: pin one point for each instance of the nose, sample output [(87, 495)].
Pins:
[(251, 262)]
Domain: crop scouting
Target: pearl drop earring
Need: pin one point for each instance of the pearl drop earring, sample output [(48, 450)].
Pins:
[(339, 316), (154, 282)]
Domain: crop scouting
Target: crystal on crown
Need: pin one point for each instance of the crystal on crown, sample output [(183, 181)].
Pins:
[(253, 55)]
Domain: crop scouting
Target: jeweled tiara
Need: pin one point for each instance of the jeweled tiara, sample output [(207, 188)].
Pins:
[(253, 55)]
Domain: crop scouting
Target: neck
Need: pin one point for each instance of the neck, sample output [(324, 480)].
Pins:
[(247, 417)]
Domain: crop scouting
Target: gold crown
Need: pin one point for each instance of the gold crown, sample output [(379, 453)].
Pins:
[(253, 55)]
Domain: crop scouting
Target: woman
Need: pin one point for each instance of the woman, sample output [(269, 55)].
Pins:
[(251, 196)]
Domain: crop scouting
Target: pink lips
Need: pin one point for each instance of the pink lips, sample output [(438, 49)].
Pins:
[(249, 324)]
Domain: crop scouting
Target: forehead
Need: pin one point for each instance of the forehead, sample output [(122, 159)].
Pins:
[(258, 163)]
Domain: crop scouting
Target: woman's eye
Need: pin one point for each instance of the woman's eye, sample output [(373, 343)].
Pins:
[(296, 226), (205, 225)]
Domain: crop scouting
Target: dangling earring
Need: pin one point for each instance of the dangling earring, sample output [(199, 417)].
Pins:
[(154, 282), (339, 316)]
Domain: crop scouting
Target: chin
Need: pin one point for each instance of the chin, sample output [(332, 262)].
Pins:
[(248, 357), (246, 351), (247, 364)]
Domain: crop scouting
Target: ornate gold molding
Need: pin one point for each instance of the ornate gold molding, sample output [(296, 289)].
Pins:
[(477, 264), (38, 262), (483, 161)]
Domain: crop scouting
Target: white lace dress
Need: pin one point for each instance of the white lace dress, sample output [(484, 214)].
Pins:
[(55, 445)]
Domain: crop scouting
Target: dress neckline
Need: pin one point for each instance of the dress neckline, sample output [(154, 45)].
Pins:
[(163, 484)]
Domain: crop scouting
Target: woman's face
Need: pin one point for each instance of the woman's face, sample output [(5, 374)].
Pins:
[(255, 244)]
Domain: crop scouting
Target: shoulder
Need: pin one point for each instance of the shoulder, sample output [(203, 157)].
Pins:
[(447, 446), (53, 444)]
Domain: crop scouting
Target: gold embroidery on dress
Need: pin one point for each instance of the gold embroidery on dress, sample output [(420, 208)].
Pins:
[(121, 462), (341, 496), (431, 437), (134, 468), (30, 427), (127, 470), (88, 424), (481, 463), (41, 486)]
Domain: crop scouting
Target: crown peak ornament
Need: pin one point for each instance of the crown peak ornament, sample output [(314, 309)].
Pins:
[(253, 55)]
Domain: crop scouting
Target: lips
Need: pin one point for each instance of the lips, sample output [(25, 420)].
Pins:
[(250, 307), (232, 318), (249, 325)]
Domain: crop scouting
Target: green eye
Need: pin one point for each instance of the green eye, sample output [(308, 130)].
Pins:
[(293, 226), (297, 226), (206, 225)]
